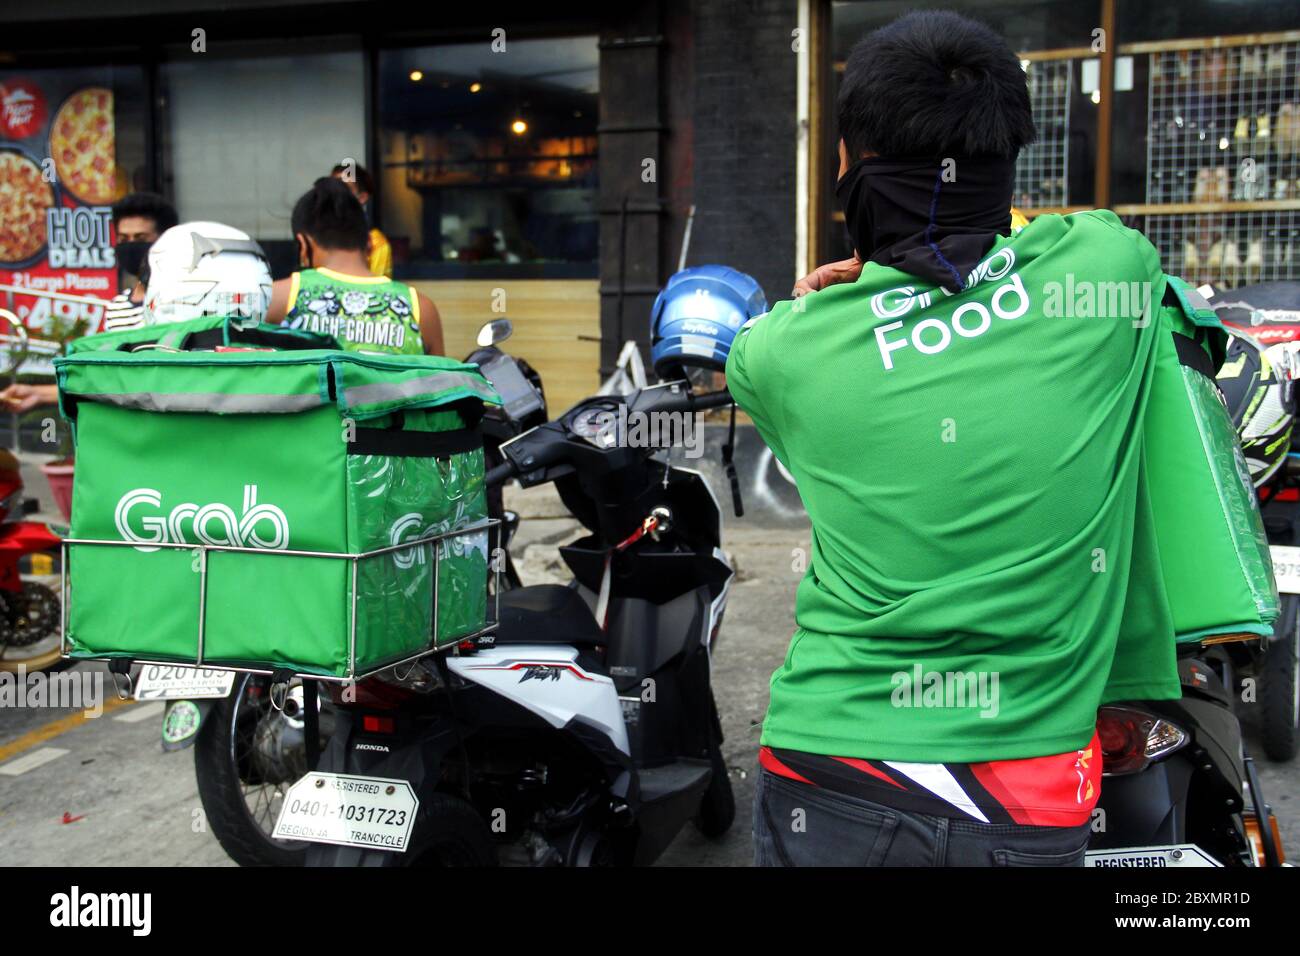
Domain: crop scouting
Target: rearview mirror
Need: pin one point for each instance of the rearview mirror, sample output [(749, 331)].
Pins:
[(495, 331)]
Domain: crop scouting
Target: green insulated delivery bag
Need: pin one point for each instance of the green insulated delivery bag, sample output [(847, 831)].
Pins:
[(208, 332), (1213, 551), (290, 457)]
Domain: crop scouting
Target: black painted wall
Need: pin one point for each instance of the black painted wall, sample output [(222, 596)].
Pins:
[(707, 89), (744, 139)]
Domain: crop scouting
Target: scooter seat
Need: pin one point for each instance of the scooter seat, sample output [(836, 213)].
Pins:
[(547, 614)]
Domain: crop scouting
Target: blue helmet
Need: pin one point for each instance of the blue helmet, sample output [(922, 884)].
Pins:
[(697, 315)]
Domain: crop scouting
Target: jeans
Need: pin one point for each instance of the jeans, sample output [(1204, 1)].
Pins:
[(796, 824)]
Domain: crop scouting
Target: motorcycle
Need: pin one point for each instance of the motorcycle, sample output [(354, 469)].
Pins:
[(250, 737), (1268, 316), (583, 731), (29, 565), (30, 610), (1180, 789)]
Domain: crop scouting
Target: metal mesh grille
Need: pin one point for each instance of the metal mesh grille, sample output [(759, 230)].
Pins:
[(1043, 170), (1227, 249), (1224, 125)]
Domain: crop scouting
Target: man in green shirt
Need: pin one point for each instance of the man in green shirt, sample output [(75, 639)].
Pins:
[(968, 451)]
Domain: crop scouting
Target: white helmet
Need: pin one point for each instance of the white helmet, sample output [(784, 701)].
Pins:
[(205, 268)]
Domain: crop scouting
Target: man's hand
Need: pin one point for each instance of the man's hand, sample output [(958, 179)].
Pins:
[(846, 270), (22, 398)]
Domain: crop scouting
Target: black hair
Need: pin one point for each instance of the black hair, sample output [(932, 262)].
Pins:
[(363, 178), (331, 215), (147, 206), (934, 84)]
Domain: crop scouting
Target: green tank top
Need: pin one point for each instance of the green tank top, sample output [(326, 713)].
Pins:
[(365, 313)]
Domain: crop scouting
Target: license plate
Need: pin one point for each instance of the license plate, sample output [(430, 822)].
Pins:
[(1151, 856), (1286, 568), (375, 813), (180, 682)]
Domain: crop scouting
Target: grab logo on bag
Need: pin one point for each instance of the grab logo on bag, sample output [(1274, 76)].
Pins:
[(258, 526), (402, 530)]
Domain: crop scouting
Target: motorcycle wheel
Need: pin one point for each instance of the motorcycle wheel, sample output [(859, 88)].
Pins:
[(449, 832), (29, 631), (47, 659), (241, 809), (1279, 686)]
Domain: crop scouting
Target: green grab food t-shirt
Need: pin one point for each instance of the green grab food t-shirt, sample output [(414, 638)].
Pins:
[(984, 571)]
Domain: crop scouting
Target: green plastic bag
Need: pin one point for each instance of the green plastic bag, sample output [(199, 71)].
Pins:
[(1213, 550), (287, 451)]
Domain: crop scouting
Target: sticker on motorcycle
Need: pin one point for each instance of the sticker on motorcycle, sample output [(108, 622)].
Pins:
[(374, 813), (180, 723)]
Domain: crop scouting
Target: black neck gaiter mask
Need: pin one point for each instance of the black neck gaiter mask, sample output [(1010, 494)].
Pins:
[(902, 213)]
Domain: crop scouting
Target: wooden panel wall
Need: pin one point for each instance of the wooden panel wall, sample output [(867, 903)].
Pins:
[(557, 327)]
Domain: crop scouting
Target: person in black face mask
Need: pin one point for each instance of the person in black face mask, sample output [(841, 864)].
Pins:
[(138, 220), (940, 327), (904, 204)]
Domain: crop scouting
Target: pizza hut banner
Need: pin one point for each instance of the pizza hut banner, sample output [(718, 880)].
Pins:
[(58, 179)]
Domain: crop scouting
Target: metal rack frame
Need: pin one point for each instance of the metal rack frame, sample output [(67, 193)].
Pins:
[(1043, 170), (490, 626)]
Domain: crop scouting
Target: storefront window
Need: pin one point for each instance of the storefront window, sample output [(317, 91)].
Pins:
[(488, 160), (1206, 162), (1204, 124), (1188, 19), (1026, 24), (245, 137)]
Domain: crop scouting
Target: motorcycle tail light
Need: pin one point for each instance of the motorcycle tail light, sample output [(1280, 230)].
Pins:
[(1131, 739), (378, 725)]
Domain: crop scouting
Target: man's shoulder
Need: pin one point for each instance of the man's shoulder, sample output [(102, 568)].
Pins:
[(804, 313), (1093, 240), (1100, 224)]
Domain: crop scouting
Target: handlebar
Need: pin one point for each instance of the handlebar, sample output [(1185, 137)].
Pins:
[(686, 402), (499, 474), (677, 399), (720, 399)]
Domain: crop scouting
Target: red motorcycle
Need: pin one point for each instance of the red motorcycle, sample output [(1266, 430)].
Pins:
[(29, 570), (29, 550)]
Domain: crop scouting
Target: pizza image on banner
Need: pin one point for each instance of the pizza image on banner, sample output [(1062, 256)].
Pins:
[(24, 199), (82, 144), (58, 180)]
